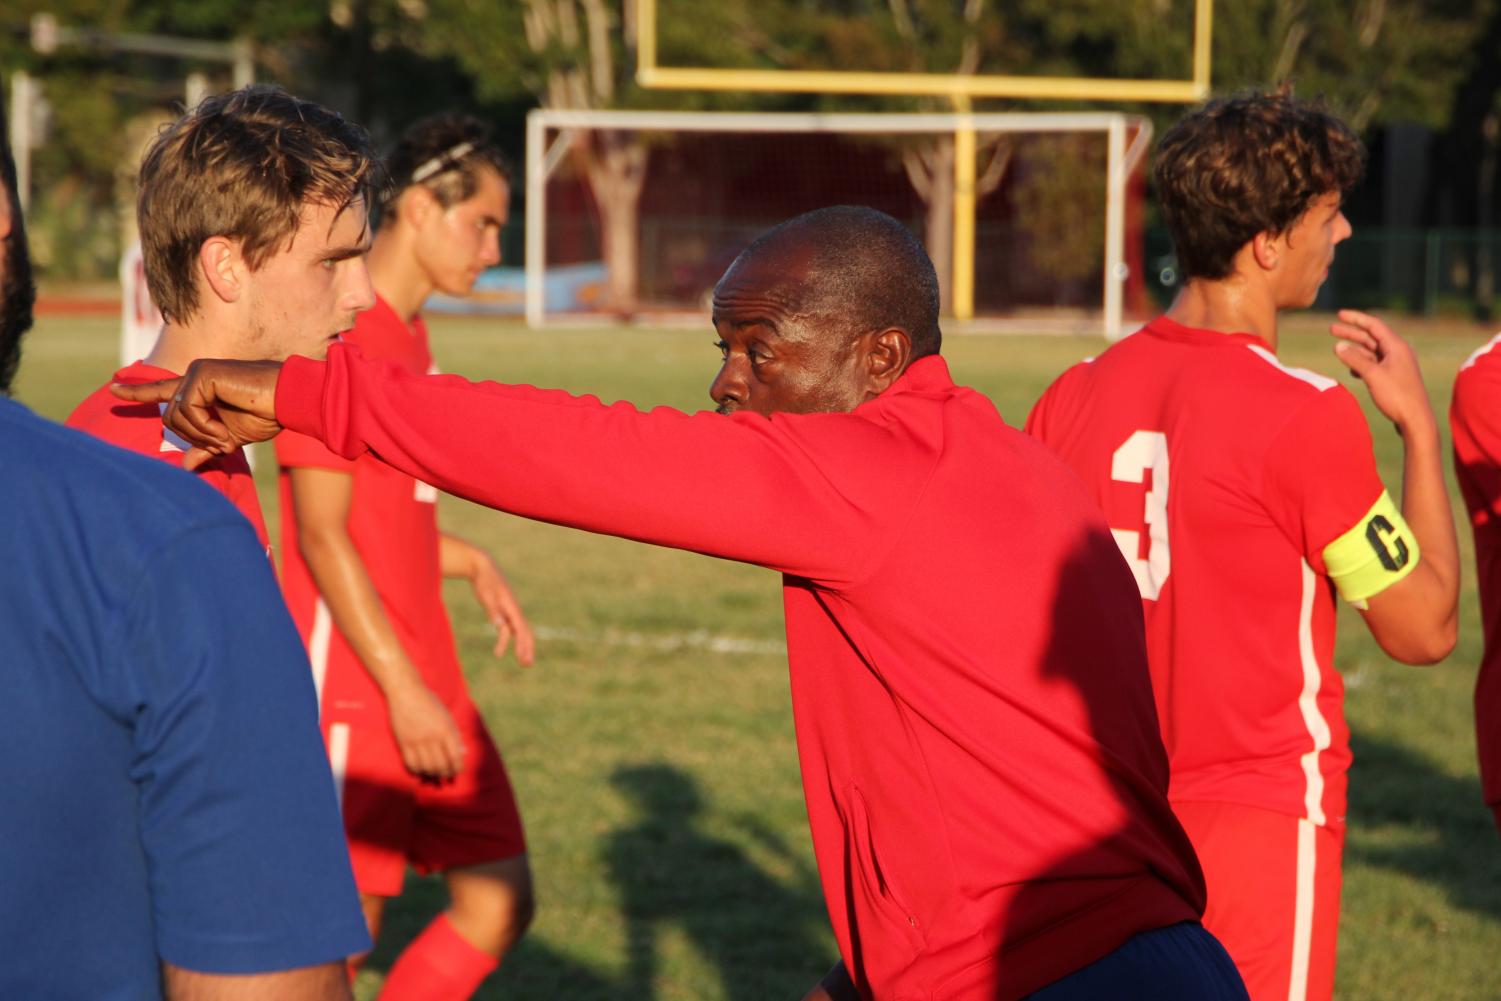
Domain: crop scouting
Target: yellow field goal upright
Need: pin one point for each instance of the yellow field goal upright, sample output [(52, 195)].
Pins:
[(649, 73), (961, 88)]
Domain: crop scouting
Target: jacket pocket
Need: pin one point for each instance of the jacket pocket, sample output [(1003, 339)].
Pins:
[(876, 884)]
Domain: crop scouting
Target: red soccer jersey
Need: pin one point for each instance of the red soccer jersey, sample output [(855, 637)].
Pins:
[(984, 777), (393, 523), (1475, 420), (138, 427), (1224, 474)]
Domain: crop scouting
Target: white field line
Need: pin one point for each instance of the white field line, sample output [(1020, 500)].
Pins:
[(698, 639)]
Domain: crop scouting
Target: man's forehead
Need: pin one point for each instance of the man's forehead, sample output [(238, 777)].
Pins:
[(324, 224), (769, 278)]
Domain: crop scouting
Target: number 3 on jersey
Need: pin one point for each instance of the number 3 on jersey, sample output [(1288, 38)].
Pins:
[(1142, 451)]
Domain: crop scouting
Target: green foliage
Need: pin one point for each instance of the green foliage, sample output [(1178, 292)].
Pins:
[(1376, 60), (1060, 202), (387, 61)]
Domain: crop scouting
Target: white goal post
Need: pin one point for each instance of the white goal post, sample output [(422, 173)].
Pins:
[(550, 133)]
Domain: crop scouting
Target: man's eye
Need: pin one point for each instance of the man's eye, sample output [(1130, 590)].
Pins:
[(724, 349), (327, 263)]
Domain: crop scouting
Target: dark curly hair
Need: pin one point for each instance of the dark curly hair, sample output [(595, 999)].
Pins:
[(1248, 164), (445, 154)]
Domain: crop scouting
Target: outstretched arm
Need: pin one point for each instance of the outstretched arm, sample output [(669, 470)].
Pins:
[(425, 732), (817, 495), (1416, 619)]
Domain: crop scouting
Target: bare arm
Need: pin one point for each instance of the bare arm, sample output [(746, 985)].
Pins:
[(1416, 619), (328, 982), (425, 733), (493, 592)]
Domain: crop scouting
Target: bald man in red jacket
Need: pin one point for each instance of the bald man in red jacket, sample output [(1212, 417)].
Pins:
[(985, 783)]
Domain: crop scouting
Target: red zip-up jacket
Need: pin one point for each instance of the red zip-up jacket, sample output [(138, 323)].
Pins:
[(985, 783)]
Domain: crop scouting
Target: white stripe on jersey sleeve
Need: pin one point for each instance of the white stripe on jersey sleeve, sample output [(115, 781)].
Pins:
[(1308, 701), (1319, 382), (171, 441), (1484, 349)]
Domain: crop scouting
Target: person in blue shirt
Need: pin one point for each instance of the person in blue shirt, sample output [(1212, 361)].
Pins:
[(168, 825)]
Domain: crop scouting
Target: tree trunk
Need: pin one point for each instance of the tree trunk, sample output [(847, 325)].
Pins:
[(938, 229), (615, 163), (931, 172)]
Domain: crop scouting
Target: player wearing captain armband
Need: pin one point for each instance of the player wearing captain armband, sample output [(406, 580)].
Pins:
[(1244, 494)]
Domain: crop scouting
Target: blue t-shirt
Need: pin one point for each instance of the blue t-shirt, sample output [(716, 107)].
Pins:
[(164, 792)]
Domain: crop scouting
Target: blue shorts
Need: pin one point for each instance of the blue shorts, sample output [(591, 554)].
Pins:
[(1181, 962)]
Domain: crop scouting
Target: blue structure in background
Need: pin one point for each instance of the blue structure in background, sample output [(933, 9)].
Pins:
[(571, 288)]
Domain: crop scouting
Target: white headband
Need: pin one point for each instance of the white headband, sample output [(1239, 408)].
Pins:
[(442, 161)]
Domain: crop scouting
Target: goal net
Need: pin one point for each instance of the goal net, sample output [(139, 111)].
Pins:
[(636, 215)]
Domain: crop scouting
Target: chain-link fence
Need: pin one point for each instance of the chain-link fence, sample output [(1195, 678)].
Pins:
[(1429, 271)]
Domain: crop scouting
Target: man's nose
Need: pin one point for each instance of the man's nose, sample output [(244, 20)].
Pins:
[(361, 294), (729, 385), (491, 255), (1342, 229)]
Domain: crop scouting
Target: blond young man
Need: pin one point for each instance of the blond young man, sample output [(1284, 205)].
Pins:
[(252, 214)]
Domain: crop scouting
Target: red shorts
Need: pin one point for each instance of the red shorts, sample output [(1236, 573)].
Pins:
[(393, 818), (1274, 884)]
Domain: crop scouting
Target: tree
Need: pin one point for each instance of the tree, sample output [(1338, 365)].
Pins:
[(577, 54)]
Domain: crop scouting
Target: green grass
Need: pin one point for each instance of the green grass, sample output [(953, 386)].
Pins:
[(658, 777)]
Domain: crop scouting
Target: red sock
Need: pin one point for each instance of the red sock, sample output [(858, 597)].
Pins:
[(439, 965)]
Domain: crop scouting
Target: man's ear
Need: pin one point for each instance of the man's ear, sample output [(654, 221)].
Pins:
[(223, 268), (887, 353), (1266, 250), (415, 205), (6, 213)]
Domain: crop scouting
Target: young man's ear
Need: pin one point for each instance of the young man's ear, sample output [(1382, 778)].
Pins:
[(223, 268), (415, 205), (1266, 250), (886, 356)]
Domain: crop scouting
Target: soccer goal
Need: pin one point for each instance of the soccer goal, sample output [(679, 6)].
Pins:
[(1032, 220)]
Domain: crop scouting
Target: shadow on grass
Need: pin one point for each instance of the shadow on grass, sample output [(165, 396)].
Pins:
[(532, 970), (765, 938), (1415, 819), (761, 934)]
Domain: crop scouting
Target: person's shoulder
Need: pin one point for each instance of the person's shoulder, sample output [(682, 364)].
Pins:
[(103, 485), (134, 426), (1481, 369), (1275, 374), (379, 333)]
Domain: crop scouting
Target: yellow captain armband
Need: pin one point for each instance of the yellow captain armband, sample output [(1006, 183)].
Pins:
[(1379, 551)]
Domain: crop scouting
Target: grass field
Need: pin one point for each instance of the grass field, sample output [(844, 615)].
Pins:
[(652, 747)]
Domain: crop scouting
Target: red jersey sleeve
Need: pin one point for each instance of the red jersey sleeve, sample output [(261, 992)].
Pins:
[(1475, 422), (294, 449), (812, 495), (1320, 478)]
